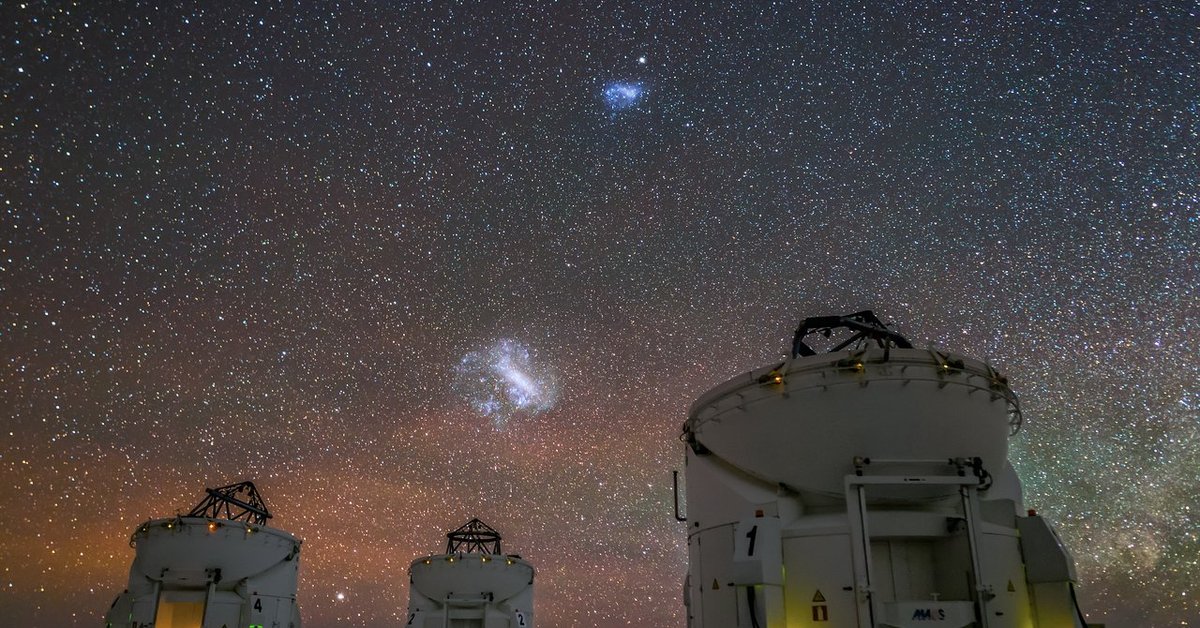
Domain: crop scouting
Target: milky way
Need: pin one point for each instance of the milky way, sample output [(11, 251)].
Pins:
[(256, 241)]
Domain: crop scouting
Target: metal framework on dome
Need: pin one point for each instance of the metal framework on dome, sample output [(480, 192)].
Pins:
[(236, 502), (864, 325), (473, 537)]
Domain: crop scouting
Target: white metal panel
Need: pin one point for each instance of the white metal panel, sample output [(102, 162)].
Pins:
[(818, 590), (718, 596), (757, 553)]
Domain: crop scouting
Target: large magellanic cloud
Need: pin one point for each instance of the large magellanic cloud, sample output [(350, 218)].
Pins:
[(503, 381)]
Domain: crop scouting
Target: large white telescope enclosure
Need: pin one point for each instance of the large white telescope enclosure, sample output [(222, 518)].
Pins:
[(219, 566), (864, 487)]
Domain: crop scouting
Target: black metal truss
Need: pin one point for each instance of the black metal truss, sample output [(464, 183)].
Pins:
[(864, 325), (236, 502), (473, 537)]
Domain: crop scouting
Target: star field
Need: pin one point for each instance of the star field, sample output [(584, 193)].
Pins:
[(256, 241)]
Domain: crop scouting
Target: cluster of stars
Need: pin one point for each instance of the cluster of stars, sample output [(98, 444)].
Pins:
[(256, 242)]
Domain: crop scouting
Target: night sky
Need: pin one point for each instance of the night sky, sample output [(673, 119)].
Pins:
[(404, 264)]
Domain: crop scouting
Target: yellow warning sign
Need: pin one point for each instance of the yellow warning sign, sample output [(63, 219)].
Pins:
[(817, 597), (715, 585), (1011, 588)]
